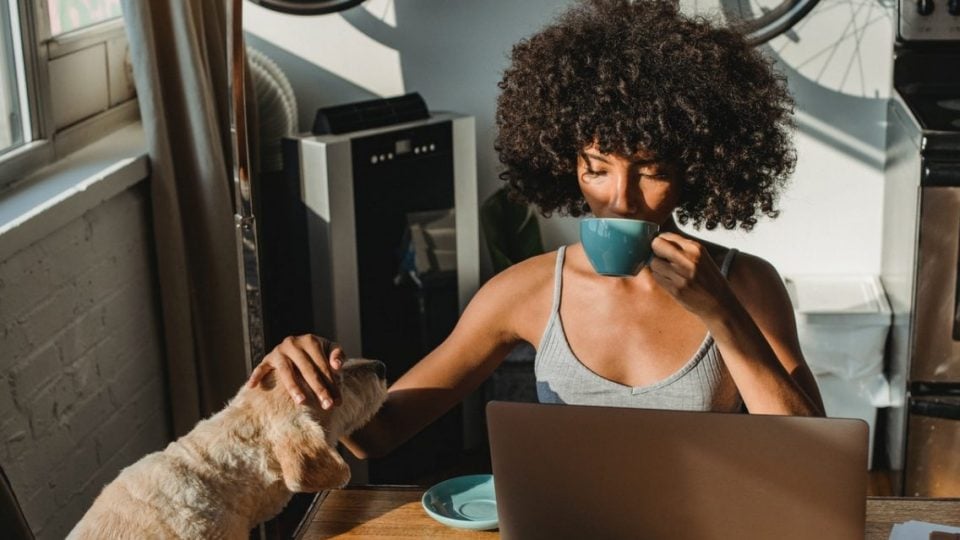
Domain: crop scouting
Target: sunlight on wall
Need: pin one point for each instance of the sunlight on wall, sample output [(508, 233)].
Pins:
[(383, 10), (333, 45), (830, 221)]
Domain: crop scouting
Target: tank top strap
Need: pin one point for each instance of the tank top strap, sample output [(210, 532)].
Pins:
[(558, 279), (727, 260)]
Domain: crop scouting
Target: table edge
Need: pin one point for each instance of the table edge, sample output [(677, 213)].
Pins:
[(322, 496)]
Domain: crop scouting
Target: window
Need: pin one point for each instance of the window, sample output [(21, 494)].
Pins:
[(11, 79), (64, 80), (69, 15)]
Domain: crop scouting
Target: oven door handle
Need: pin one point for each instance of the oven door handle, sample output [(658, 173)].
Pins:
[(934, 408)]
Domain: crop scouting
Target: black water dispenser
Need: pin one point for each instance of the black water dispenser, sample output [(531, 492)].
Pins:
[(371, 239)]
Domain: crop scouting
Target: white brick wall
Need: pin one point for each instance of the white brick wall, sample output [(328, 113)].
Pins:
[(82, 390)]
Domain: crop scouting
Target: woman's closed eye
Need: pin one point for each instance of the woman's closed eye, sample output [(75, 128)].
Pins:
[(657, 172), (590, 174)]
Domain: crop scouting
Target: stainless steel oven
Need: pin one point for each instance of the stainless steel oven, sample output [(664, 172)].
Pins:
[(921, 248)]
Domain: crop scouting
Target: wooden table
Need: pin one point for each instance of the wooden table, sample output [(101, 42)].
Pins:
[(395, 512)]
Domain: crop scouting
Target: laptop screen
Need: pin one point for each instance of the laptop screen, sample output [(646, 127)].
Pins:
[(568, 471)]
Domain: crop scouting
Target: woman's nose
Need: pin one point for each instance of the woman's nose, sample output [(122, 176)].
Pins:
[(623, 199)]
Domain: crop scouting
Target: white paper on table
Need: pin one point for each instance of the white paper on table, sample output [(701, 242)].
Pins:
[(918, 530)]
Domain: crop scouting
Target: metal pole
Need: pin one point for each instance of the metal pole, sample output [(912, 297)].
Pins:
[(244, 221)]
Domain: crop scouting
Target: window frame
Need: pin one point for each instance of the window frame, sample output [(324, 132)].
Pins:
[(39, 48)]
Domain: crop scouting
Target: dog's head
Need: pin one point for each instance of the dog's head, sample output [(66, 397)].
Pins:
[(305, 445)]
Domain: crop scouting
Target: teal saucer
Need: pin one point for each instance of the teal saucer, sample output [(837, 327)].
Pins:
[(465, 502)]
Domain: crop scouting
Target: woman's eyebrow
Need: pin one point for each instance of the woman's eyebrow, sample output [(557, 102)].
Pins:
[(599, 157)]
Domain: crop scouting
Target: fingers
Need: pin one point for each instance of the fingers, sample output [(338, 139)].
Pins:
[(259, 373), (663, 270), (286, 374), (309, 374), (327, 357), (327, 349), (670, 254), (686, 255), (336, 358), (288, 378), (666, 247), (666, 276), (315, 370), (303, 362), (679, 247), (685, 269), (676, 261), (679, 241)]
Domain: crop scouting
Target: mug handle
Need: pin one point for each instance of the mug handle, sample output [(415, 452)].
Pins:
[(651, 256)]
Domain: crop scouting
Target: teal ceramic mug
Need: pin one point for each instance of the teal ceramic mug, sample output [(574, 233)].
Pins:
[(617, 246)]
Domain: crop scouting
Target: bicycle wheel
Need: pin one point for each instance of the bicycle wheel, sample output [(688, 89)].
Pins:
[(308, 7), (759, 20)]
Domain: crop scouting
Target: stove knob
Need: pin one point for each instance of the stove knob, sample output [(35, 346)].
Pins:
[(953, 7), (924, 7)]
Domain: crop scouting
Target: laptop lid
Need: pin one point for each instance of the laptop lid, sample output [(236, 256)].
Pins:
[(569, 471)]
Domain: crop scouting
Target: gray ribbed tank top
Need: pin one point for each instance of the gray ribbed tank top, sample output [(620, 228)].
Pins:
[(702, 384)]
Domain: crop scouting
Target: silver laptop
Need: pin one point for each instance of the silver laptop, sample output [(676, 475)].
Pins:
[(567, 471)]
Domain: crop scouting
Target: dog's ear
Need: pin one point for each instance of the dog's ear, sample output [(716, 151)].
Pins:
[(307, 462)]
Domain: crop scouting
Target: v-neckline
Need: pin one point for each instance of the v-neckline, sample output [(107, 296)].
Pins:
[(698, 355), (705, 346)]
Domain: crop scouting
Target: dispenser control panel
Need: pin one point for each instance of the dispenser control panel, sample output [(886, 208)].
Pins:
[(929, 20)]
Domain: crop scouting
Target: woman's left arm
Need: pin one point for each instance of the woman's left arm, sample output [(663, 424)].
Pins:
[(751, 320)]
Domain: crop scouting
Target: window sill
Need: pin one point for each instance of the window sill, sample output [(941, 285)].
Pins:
[(66, 189)]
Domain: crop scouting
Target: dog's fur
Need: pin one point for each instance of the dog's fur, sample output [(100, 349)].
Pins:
[(239, 467)]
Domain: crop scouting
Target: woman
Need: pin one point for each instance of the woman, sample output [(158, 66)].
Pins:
[(620, 109)]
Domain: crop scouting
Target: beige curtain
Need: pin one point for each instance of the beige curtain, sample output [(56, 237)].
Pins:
[(178, 49)]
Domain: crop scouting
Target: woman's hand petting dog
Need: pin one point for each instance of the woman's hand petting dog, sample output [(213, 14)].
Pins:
[(301, 362)]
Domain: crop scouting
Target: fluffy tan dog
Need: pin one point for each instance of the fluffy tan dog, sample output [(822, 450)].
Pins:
[(238, 467)]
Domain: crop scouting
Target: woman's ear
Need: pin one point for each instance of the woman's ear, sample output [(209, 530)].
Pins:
[(307, 462)]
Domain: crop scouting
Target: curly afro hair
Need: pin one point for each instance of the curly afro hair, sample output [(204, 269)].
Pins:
[(630, 75)]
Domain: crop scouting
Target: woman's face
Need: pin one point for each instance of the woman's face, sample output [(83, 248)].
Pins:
[(636, 187)]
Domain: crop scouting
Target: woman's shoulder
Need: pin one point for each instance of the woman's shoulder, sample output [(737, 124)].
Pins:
[(526, 276), (749, 270), (744, 268), (757, 284), (520, 295), (750, 276)]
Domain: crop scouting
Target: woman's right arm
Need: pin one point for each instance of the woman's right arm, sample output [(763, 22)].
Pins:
[(481, 339), (497, 317)]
